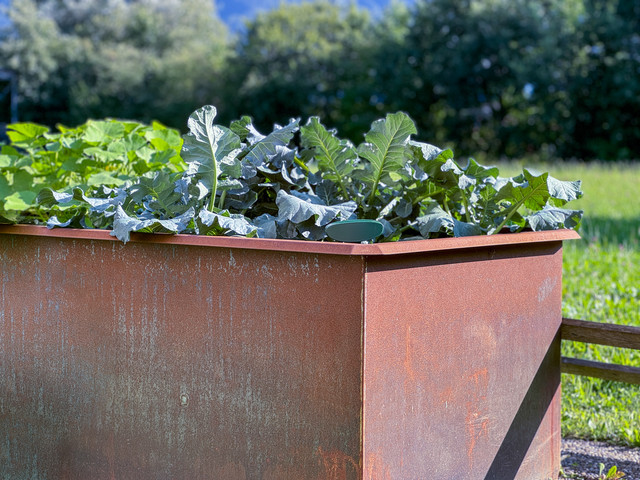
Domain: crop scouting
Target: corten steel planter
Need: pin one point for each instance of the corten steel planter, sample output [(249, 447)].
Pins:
[(185, 357)]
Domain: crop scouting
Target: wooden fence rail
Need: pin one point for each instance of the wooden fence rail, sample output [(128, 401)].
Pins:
[(620, 336)]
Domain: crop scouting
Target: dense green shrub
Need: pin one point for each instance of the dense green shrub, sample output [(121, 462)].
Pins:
[(144, 60), (558, 78)]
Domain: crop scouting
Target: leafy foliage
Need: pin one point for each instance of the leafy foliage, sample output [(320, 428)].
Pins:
[(305, 58), (99, 153), (500, 77), (238, 181), (138, 59)]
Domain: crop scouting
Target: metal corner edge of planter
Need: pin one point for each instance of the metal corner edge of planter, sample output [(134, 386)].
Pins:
[(330, 248), (279, 359)]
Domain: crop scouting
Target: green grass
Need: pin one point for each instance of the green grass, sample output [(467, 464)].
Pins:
[(602, 283)]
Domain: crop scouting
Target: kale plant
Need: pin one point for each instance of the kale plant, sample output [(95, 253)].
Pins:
[(296, 180)]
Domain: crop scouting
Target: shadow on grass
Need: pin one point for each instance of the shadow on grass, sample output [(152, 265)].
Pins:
[(611, 231)]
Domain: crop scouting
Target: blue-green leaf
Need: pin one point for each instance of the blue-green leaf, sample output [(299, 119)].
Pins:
[(552, 218), (266, 224), (465, 229), (434, 220), (101, 205), (428, 151), (207, 145), (563, 191), (476, 174), (48, 197), (335, 157), (123, 224), (242, 127), (234, 223), (264, 147), (532, 191), (386, 149), (298, 207)]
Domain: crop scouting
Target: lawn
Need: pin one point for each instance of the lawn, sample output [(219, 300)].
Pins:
[(602, 283)]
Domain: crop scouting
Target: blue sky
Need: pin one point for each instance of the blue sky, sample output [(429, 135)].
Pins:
[(234, 12), (3, 18)]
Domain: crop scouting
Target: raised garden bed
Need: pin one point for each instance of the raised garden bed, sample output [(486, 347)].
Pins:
[(182, 356), (221, 356)]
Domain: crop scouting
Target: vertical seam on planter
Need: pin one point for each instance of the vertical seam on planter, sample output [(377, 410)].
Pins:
[(363, 313)]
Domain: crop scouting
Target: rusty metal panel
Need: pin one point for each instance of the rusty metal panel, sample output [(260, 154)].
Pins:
[(232, 358), (160, 361), (461, 364)]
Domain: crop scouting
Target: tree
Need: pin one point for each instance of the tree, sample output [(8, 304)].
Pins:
[(511, 77), (472, 63), (142, 59), (603, 84), (303, 60)]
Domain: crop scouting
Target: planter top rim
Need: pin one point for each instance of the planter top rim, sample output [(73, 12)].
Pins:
[(303, 246)]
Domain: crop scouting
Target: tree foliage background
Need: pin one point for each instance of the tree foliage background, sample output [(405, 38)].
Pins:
[(558, 78), (140, 59)]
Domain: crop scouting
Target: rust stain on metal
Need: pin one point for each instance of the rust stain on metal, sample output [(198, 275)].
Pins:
[(408, 361), (282, 472), (477, 419), (376, 469), (175, 361), (186, 357), (231, 471), (450, 357), (337, 465), (546, 288)]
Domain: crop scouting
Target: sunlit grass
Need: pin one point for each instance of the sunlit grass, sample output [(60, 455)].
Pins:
[(601, 283)]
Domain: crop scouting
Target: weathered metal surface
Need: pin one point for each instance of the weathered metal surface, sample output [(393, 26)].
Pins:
[(171, 362), (329, 248), (229, 358), (461, 365)]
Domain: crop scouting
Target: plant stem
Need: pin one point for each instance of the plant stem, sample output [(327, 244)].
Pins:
[(406, 227), (514, 208), (214, 186), (400, 230), (301, 164), (427, 195), (465, 202), (223, 195), (506, 219), (445, 204)]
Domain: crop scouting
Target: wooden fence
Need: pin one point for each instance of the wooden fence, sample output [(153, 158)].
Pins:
[(620, 336)]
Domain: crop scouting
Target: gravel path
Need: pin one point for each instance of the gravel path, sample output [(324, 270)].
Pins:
[(581, 459)]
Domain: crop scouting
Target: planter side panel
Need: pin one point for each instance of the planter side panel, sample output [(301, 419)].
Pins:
[(461, 372), (170, 362)]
